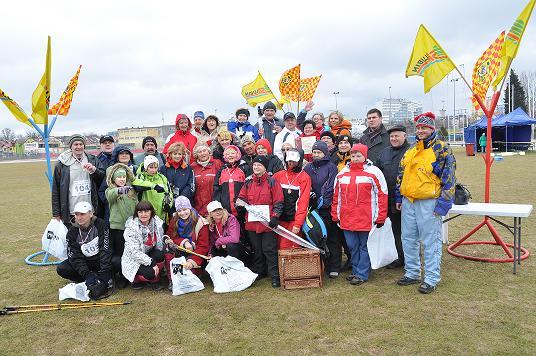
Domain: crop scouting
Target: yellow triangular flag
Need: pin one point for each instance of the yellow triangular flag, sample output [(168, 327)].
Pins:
[(41, 94)]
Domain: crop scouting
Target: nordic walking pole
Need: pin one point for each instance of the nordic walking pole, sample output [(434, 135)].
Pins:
[(25, 311), (193, 253), (62, 305)]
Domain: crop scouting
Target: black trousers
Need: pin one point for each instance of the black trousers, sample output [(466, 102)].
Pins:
[(396, 226), (234, 250), (118, 241), (66, 270), (333, 264), (264, 253), (147, 271)]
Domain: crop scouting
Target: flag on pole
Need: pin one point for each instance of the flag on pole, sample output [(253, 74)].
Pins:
[(257, 91), (307, 89), (41, 94), (513, 38), (64, 104), (486, 69), (289, 84), (428, 60), (15, 109)]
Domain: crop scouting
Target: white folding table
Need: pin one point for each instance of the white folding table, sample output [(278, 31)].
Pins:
[(489, 211)]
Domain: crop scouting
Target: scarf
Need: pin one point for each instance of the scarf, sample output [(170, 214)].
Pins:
[(184, 229)]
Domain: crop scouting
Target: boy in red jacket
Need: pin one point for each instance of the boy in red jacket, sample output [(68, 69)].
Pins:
[(359, 202), (296, 185), (264, 193)]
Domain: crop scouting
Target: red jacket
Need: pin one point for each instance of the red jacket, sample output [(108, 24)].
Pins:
[(185, 137), (204, 184), (359, 198), (296, 191), (199, 237), (263, 190)]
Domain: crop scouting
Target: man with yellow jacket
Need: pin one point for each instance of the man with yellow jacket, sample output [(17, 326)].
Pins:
[(424, 192)]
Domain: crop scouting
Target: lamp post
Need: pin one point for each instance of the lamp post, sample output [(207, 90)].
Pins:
[(390, 107), (335, 93), (454, 80)]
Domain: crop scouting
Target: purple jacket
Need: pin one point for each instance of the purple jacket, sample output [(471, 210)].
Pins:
[(229, 235), (322, 173)]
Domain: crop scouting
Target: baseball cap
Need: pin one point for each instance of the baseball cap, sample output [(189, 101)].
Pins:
[(83, 207), (106, 138)]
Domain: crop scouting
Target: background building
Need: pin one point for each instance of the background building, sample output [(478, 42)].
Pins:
[(133, 136), (403, 110)]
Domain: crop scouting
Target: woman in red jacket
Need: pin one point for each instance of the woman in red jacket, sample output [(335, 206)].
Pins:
[(205, 168), (183, 134), (359, 202), (306, 140), (265, 194), (296, 186), (189, 230)]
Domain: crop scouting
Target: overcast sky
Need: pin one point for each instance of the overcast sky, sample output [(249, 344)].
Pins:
[(142, 60)]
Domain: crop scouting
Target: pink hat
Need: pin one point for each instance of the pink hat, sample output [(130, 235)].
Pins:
[(236, 149)]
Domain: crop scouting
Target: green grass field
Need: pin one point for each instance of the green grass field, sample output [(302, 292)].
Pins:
[(479, 308)]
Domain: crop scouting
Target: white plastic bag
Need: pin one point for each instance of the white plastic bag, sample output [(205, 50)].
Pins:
[(184, 281), (381, 246), (54, 240), (76, 291), (229, 274)]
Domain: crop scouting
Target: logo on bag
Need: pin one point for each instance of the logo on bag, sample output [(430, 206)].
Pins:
[(51, 236), (177, 268), (224, 270)]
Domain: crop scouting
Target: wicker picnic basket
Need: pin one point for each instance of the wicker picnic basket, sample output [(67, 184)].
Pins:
[(300, 268)]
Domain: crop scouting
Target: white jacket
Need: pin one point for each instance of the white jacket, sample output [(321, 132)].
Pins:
[(134, 255), (285, 136)]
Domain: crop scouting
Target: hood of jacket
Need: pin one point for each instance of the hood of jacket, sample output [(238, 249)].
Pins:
[(182, 116), (67, 158), (111, 170), (119, 148), (344, 124)]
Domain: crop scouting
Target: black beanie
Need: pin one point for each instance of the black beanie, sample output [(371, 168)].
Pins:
[(242, 111), (269, 105), (262, 160), (344, 138), (149, 139), (330, 134)]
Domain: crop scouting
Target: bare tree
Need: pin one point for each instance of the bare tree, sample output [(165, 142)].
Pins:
[(31, 134), (528, 81), (7, 134)]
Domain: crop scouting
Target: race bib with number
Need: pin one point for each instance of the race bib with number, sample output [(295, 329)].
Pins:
[(259, 213), (81, 187), (91, 248)]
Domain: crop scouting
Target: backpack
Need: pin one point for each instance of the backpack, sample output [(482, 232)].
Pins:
[(461, 194)]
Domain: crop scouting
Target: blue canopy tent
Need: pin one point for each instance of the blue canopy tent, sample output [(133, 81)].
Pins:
[(509, 132)]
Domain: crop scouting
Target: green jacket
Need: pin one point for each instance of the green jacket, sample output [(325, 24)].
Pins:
[(482, 141), (144, 185), (122, 206)]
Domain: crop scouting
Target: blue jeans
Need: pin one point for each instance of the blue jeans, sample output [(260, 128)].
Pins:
[(357, 244), (421, 226)]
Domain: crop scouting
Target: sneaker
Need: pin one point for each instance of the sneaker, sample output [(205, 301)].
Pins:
[(157, 286), (137, 286), (275, 282), (406, 281), (425, 288), (350, 277), (356, 281), (333, 274), (395, 264)]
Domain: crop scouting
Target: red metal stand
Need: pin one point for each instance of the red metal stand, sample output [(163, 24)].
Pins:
[(488, 160)]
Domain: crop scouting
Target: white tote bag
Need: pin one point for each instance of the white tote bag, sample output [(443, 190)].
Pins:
[(183, 280), (381, 246), (229, 274), (76, 291), (54, 240)]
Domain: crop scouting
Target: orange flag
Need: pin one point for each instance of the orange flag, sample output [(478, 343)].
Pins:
[(64, 104), (289, 84)]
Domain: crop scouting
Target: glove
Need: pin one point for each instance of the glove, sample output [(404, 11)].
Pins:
[(123, 190), (98, 290), (274, 221), (159, 188), (91, 279), (379, 226)]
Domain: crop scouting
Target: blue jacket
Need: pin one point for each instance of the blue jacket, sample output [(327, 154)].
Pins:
[(322, 173), (233, 126), (181, 180)]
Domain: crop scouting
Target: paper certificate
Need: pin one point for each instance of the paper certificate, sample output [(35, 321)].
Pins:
[(262, 210)]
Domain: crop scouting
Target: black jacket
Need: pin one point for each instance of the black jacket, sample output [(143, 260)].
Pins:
[(80, 262), (60, 188), (388, 162), (375, 142)]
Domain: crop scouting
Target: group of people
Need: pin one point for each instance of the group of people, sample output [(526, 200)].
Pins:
[(127, 216)]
